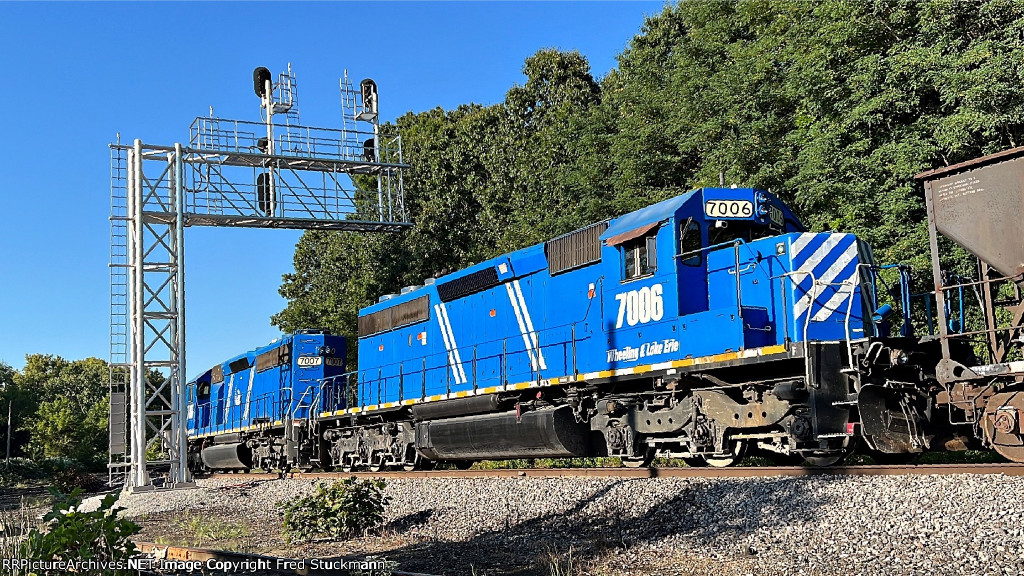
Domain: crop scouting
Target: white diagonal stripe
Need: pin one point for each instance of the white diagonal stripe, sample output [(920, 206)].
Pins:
[(815, 258), (801, 242), (522, 327), (455, 347), (808, 266), (844, 292), (248, 393), (826, 278), (226, 411), (529, 327), (447, 344)]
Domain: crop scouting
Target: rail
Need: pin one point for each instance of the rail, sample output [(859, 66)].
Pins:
[(1007, 469)]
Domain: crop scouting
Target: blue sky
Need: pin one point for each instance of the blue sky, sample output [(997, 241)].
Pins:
[(76, 74)]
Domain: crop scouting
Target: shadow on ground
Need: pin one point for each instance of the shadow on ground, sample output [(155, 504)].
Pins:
[(709, 516)]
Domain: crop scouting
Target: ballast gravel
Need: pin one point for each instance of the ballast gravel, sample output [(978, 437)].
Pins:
[(842, 525)]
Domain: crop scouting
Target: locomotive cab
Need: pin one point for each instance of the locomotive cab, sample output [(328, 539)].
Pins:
[(676, 286)]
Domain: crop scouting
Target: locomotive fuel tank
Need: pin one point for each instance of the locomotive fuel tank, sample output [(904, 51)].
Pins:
[(227, 456), (544, 433), (457, 407)]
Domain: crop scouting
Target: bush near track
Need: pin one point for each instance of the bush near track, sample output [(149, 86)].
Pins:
[(343, 508)]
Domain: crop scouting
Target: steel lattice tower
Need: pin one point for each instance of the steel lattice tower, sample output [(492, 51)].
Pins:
[(271, 174)]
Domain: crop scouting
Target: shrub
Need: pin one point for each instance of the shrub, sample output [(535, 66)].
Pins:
[(340, 509), (203, 531), (75, 477), (19, 470), (50, 466), (73, 535)]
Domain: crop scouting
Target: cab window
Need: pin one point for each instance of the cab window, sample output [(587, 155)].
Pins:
[(640, 257), (690, 243), (203, 392)]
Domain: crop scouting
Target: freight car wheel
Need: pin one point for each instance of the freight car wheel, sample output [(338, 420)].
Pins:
[(1002, 424)]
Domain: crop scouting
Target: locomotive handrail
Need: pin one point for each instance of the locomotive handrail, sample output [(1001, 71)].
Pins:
[(298, 403), (718, 246), (906, 302), (381, 381), (849, 302), (814, 282), (568, 341)]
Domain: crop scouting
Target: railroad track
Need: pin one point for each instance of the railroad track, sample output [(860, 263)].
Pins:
[(738, 472)]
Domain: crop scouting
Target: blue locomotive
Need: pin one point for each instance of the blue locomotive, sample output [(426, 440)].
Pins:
[(251, 398), (699, 327)]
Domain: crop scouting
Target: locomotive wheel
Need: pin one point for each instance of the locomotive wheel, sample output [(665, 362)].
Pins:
[(346, 465), (640, 462), (417, 462), (829, 458), (695, 462), (739, 448), (824, 461)]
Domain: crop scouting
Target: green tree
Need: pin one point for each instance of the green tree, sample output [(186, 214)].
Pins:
[(69, 400), (832, 105)]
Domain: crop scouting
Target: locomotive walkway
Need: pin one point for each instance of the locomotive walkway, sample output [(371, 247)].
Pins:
[(732, 472)]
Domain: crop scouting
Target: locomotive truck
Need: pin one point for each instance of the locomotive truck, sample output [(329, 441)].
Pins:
[(701, 327)]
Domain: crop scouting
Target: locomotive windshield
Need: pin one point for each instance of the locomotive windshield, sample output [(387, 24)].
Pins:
[(690, 243)]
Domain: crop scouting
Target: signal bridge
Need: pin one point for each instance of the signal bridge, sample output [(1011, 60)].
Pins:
[(276, 173)]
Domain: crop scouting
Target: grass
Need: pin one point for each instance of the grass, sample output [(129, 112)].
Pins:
[(534, 463), (559, 564), (199, 531), (965, 457), (15, 523)]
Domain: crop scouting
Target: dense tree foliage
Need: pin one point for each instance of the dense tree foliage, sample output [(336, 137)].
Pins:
[(59, 408), (832, 105)]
